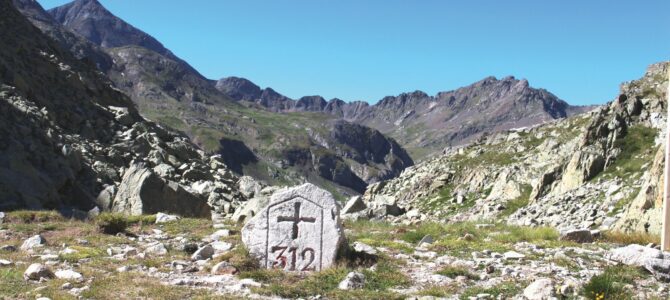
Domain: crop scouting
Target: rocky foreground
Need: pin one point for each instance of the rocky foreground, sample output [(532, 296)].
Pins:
[(43, 255)]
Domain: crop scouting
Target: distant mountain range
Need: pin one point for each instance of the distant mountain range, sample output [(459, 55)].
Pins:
[(423, 123), (265, 134)]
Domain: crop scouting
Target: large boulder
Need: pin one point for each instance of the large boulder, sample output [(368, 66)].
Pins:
[(655, 261), (143, 192), (299, 230)]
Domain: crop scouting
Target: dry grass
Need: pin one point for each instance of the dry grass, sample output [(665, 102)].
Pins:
[(627, 238)]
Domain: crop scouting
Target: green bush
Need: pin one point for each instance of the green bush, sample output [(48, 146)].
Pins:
[(112, 223)]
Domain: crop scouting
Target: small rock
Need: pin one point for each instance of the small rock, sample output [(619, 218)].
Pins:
[(512, 255), (428, 239), (164, 218), (123, 269), (32, 242), (224, 268), (37, 272), (66, 286), (364, 248), (541, 289), (8, 248), (2, 217), (577, 236), (156, 249), (205, 252), (69, 275), (354, 280), (219, 234), (489, 269), (221, 247), (354, 205), (5, 263)]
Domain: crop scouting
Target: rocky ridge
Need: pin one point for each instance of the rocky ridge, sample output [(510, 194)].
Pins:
[(425, 124), (598, 170), (71, 141), (169, 91)]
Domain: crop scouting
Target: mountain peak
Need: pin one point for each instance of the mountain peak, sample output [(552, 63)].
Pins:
[(92, 20)]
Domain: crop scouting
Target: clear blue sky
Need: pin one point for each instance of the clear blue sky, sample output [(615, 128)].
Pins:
[(365, 50)]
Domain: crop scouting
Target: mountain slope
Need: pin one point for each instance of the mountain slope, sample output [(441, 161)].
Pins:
[(253, 141), (427, 124), (70, 141), (601, 170)]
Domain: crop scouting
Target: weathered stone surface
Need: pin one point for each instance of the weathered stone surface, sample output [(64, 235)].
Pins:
[(634, 254), (364, 248), (299, 230), (659, 267), (143, 192), (577, 235), (354, 280), (32, 242), (655, 261), (355, 204), (69, 275), (37, 271), (224, 268), (541, 289), (164, 218), (2, 217), (205, 252)]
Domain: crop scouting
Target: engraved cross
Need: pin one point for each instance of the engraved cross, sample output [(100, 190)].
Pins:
[(296, 219)]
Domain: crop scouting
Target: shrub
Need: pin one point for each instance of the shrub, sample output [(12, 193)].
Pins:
[(610, 284), (112, 223)]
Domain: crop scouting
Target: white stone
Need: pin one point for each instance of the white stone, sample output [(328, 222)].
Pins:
[(164, 218), (2, 217), (219, 234), (69, 275), (37, 271), (364, 248), (354, 280), (32, 242), (220, 247), (205, 252), (156, 249), (541, 289), (512, 255), (635, 255), (355, 204), (5, 263), (299, 230)]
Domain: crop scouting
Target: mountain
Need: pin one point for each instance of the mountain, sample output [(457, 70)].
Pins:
[(427, 124), (251, 140), (600, 170), (70, 141)]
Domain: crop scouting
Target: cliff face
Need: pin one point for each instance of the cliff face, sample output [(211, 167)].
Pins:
[(596, 170), (69, 140)]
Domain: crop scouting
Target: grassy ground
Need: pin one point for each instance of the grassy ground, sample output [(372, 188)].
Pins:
[(383, 280)]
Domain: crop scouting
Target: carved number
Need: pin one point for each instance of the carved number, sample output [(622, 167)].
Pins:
[(311, 259), (281, 260)]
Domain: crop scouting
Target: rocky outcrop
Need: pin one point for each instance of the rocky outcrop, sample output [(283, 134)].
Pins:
[(599, 170), (69, 140), (143, 192)]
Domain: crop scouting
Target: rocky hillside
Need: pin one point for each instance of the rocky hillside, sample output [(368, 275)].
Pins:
[(426, 124), (596, 170), (169, 91), (70, 141)]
